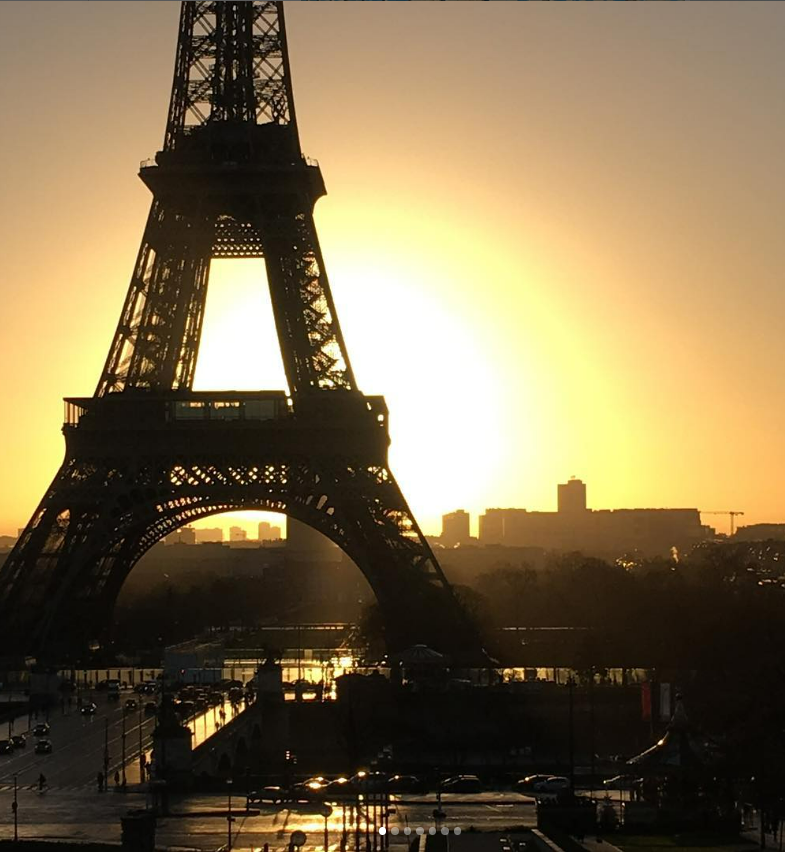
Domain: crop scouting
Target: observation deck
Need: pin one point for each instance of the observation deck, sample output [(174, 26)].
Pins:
[(326, 423)]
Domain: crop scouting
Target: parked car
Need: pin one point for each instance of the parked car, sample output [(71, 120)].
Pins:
[(405, 784), (622, 782), (88, 709), (368, 782), (6, 747), (312, 789), (526, 785), (130, 704), (275, 795), (554, 784), (19, 741), (41, 730), (339, 787), (43, 746), (462, 784)]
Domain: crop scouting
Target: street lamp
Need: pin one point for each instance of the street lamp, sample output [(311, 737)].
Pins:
[(122, 742), (570, 687), (141, 746), (15, 809), (229, 817), (106, 753)]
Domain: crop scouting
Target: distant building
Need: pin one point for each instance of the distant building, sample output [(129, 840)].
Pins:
[(7, 541), (572, 497), (760, 532), (267, 532), (608, 533), (185, 535), (237, 534), (455, 528), (210, 534)]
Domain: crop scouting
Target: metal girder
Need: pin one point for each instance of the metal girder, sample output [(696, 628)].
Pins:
[(231, 65), (102, 514)]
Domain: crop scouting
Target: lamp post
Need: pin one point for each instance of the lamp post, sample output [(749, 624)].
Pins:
[(122, 746), (106, 753), (571, 740), (141, 746), (229, 817), (15, 809)]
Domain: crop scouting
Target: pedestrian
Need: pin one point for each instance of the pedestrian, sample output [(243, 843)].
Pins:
[(100, 781), (117, 778), (41, 782)]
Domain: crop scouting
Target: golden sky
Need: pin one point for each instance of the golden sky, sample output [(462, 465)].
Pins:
[(553, 234)]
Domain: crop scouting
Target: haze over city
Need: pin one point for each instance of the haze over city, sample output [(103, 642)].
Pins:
[(558, 234)]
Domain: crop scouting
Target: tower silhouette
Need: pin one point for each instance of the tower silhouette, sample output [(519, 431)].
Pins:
[(147, 454)]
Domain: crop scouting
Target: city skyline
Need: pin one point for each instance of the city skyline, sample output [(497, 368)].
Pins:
[(568, 299)]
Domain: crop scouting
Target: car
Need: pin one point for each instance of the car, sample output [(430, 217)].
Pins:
[(526, 785), (405, 784), (339, 787), (368, 782), (88, 709), (130, 704), (462, 784), (6, 747), (43, 746), (41, 730), (267, 794), (312, 789), (622, 782), (151, 708), (19, 741), (553, 784)]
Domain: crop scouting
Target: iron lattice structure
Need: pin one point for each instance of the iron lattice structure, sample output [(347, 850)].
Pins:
[(146, 454)]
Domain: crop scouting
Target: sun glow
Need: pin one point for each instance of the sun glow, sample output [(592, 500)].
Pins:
[(239, 347), (417, 352)]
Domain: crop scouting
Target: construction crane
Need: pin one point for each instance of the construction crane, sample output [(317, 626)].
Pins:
[(732, 516)]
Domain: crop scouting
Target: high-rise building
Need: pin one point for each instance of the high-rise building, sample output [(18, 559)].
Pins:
[(455, 528), (572, 497), (267, 532), (237, 534)]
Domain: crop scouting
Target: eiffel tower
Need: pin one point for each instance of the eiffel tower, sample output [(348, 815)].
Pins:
[(146, 454)]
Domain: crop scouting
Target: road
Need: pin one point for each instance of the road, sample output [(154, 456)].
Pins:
[(78, 745), (79, 742), (199, 821)]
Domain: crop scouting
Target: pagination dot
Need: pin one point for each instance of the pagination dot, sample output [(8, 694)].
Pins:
[(382, 830), (445, 830)]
